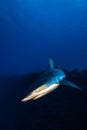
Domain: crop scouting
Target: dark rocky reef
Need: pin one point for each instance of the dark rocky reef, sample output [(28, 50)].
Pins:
[(63, 109)]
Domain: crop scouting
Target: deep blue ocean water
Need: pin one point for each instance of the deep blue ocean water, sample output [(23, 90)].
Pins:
[(31, 31), (34, 30)]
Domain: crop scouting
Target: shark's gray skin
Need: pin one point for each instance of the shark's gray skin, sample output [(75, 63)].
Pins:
[(48, 82)]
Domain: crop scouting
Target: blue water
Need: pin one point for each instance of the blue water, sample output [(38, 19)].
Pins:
[(34, 30), (31, 31)]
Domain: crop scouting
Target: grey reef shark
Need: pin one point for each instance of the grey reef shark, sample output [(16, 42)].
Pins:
[(48, 82)]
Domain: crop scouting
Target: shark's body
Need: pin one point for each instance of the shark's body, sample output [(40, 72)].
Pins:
[(48, 82)]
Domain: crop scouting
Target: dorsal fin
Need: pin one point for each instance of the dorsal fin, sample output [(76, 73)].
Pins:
[(52, 63)]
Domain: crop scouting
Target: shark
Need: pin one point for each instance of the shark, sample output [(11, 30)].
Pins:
[(48, 82)]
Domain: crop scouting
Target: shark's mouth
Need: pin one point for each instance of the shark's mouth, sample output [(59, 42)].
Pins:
[(40, 92)]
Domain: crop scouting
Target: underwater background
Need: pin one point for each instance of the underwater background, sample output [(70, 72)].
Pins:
[(31, 31)]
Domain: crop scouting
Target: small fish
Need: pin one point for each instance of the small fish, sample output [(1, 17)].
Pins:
[(48, 82)]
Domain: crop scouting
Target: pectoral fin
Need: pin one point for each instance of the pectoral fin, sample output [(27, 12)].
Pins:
[(68, 83)]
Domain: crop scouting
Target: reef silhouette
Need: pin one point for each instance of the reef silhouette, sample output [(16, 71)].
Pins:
[(65, 108)]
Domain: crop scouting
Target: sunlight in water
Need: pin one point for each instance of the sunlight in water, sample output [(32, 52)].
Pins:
[(81, 3)]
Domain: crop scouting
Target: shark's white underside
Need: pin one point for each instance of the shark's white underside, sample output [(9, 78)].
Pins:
[(40, 91)]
